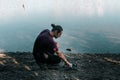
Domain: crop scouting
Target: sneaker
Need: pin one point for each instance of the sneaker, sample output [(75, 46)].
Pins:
[(43, 66), (53, 66)]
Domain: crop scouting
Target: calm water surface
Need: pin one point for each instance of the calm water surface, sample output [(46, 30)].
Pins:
[(90, 26)]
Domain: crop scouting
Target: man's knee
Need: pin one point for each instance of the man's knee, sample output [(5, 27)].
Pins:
[(59, 59)]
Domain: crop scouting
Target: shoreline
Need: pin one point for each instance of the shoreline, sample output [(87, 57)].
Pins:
[(22, 66), (66, 52)]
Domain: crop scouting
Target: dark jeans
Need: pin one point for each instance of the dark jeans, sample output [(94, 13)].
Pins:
[(52, 59)]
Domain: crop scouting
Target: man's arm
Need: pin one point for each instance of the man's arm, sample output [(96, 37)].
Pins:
[(61, 55)]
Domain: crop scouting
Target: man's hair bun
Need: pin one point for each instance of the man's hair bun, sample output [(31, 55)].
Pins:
[(53, 25)]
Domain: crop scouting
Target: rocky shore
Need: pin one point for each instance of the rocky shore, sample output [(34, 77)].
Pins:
[(22, 66)]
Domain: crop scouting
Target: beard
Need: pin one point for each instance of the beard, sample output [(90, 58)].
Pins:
[(55, 37)]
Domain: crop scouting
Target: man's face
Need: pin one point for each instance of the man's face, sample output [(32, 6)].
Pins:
[(56, 35)]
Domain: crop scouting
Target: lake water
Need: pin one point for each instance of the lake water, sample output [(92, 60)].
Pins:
[(90, 26)]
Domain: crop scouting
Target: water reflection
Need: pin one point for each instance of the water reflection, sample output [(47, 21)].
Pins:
[(91, 42)]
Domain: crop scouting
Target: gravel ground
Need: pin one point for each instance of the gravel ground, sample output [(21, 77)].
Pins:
[(22, 66)]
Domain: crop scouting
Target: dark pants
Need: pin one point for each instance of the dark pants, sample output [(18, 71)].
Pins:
[(52, 59)]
